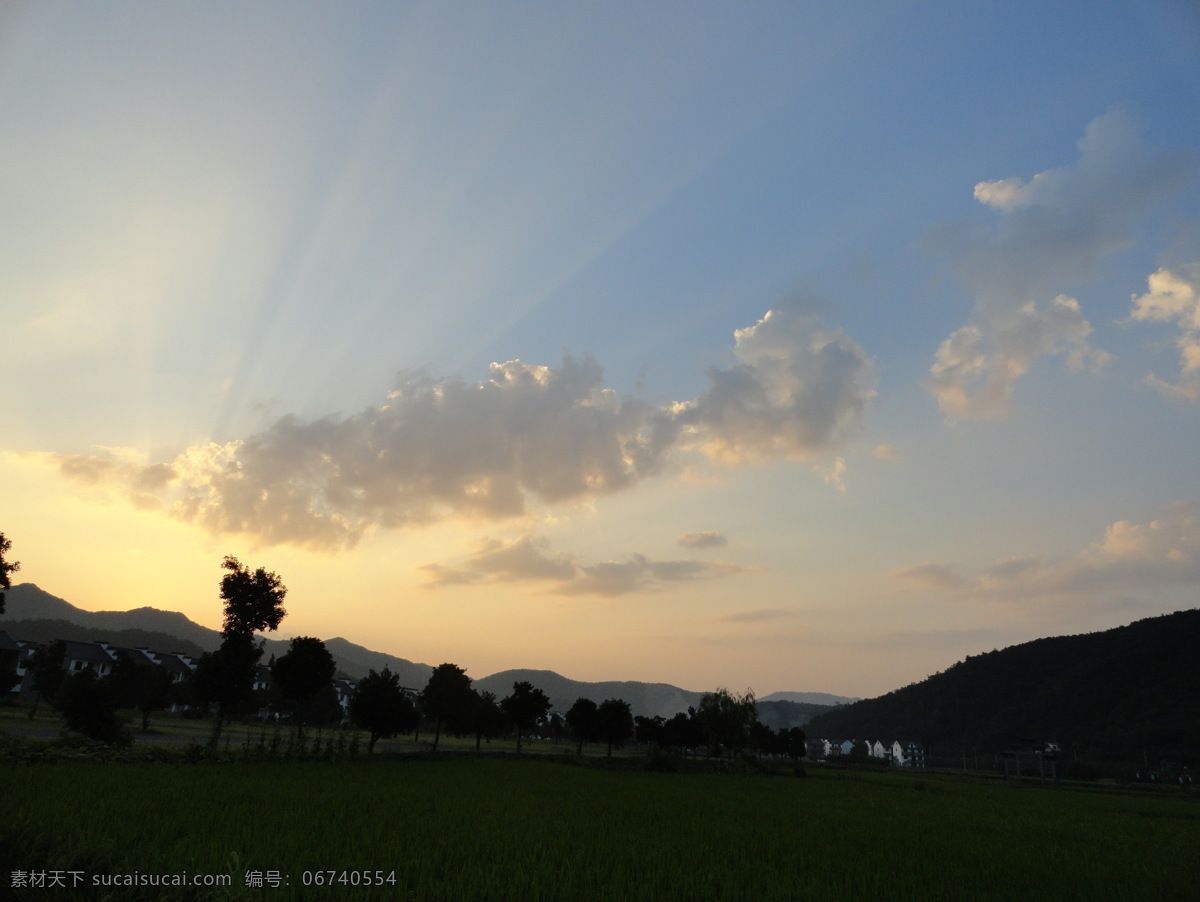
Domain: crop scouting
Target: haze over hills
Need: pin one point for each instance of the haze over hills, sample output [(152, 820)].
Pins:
[(1126, 694), (33, 613)]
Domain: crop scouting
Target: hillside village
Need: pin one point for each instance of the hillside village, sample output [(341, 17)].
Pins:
[(18, 667)]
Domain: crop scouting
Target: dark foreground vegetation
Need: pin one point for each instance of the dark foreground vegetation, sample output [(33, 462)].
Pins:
[(461, 826)]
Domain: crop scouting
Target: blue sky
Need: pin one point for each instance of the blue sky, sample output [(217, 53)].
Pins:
[(717, 344)]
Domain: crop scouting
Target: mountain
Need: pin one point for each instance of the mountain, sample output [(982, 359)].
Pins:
[(27, 602), (783, 714), (357, 661), (35, 614), (44, 630), (823, 699), (29, 607), (645, 699), (1125, 694)]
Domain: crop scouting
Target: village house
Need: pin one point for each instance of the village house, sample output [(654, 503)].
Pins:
[(101, 657), (897, 753), (93, 656)]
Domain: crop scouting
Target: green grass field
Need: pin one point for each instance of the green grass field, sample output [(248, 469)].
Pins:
[(467, 828)]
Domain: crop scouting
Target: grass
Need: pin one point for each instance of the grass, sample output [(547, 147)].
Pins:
[(463, 828)]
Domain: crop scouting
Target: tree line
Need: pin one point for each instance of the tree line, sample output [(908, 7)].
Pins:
[(223, 684)]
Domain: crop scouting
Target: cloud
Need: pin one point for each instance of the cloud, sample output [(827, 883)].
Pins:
[(526, 560), (757, 616), (1051, 230), (439, 576), (521, 560), (936, 575), (797, 390), (1130, 558), (1174, 296), (438, 448), (833, 474), (707, 539), (1012, 567), (976, 368)]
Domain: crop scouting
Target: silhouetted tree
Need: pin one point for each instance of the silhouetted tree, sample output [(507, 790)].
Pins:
[(225, 678), (380, 706), (683, 731), (301, 674), (6, 567), (525, 707), (89, 706), (651, 731), (792, 742), (324, 709), (584, 720), (46, 665), (727, 719), (489, 720), (616, 722), (253, 603), (141, 685), (447, 698)]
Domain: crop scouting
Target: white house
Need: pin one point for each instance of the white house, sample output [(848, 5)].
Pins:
[(908, 754)]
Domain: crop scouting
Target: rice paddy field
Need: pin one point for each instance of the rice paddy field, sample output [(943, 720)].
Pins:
[(462, 827)]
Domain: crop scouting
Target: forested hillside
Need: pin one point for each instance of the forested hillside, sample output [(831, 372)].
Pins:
[(1130, 693), (43, 631)]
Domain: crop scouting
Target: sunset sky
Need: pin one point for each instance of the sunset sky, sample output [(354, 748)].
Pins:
[(790, 346)]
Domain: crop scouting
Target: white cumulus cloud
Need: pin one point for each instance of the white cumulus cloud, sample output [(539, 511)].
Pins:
[(797, 390), (1051, 230), (437, 448), (976, 368), (1174, 297)]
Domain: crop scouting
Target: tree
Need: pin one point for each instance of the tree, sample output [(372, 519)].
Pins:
[(793, 742), (304, 670), (89, 706), (727, 719), (47, 667), (650, 731), (584, 720), (683, 731), (6, 567), (616, 722), (489, 719), (380, 706), (447, 698), (141, 685), (525, 707), (253, 601), (253, 604), (224, 678)]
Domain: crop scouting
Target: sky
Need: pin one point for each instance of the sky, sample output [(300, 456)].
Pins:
[(769, 345)]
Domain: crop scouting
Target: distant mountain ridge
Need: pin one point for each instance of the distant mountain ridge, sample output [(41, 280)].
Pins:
[(169, 630), (156, 629), (645, 699), (1126, 694)]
